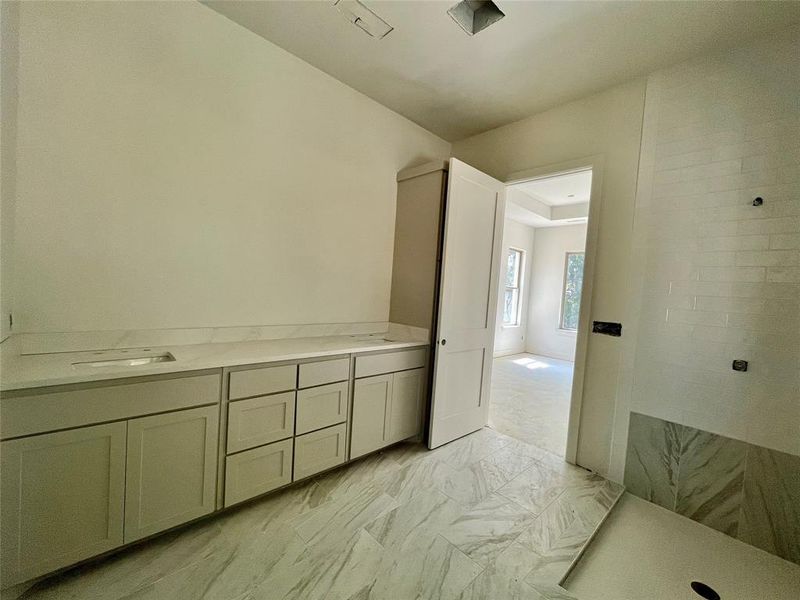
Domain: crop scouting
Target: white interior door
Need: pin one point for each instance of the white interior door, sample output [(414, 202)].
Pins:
[(473, 233)]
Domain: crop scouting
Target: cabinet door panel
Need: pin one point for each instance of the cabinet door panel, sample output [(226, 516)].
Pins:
[(371, 399), (171, 470), (257, 471), (319, 450), (408, 389), (321, 407), (62, 498), (259, 421)]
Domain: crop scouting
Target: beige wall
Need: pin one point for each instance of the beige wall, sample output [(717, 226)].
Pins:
[(715, 278), (511, 339), (550, 247), (9, 21), (607, 124), (176, 170)]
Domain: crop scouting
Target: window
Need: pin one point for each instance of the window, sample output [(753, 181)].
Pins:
[(571, 298), (513, 284)]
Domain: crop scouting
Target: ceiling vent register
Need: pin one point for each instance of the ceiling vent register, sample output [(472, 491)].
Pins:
[(475, 15), (363, 18)]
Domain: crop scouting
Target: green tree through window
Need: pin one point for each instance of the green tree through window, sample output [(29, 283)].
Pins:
[(513, 284), (573, 282)]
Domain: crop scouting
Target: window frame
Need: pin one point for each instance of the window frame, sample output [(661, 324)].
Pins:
[(564, 292), (517, 322)]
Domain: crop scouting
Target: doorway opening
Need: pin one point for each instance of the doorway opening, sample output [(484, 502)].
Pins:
[(539, 309)]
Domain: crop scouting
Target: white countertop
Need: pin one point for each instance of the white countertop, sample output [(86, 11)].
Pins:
[(38, 370)]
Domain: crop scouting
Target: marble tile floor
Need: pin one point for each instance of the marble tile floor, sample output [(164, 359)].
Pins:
[(486, 516), (530, 398)]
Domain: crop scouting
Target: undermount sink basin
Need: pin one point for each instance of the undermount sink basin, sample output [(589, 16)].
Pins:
[(128, 361)]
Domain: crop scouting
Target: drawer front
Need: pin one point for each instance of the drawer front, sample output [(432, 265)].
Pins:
[(259, 382), (38, 413), (321, 407), (255, 472), (377, 364), (320, 450), (327, 371), (258, 421)]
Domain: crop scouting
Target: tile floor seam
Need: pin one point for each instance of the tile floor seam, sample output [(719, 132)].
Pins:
[(457, 549), (459, 502)]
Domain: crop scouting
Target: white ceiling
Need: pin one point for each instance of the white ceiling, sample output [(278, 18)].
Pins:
[(540, 55), (518, 212), (550, 202), (573, 188)]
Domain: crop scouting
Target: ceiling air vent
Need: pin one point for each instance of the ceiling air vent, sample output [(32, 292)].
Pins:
[(475, 15), (363, 18)]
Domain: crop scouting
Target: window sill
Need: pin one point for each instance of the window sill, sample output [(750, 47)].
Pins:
[(504, 326)]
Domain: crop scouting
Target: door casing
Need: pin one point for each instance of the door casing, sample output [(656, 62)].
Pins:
[(595, 163)]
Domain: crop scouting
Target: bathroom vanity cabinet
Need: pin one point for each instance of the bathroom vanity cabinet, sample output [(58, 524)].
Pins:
[(71, 494), (286, 423), (90, 467), (387, 400)]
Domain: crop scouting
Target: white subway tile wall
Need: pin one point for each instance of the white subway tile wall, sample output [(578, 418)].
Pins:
[(716, 278)]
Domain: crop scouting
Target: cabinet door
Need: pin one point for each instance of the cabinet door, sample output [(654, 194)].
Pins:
[(62, 499), (408, 391), (371, 399), (171, 470)]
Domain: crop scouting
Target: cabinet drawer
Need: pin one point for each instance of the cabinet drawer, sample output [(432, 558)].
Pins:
[(376, 364), (255, 472), (320, 450), (327, 371), (29, 413), (258, 382), (258, 421), (321, 406)]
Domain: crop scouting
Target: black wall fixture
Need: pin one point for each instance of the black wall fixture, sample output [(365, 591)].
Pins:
[(758, 201), (607, 328)]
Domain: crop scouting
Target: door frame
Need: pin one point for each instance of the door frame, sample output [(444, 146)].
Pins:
[(595, 163)]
